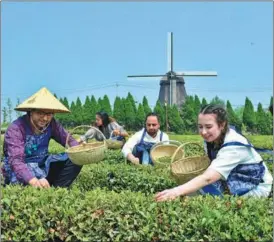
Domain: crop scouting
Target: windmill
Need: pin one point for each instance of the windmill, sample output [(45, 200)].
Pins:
[(172, 84)]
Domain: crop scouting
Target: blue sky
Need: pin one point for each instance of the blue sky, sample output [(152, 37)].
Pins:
[(80, 49)]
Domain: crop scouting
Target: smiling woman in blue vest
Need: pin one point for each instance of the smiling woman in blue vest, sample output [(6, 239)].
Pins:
[(26, 142), (137, 148), (235, 164)]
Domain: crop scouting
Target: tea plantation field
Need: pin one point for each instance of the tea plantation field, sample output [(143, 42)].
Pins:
[(113, 201)]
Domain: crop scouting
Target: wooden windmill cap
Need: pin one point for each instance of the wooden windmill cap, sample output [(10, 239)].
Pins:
[(43, 99)]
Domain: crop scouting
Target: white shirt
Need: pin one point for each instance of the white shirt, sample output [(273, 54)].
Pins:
[(230, 156), (136, 138)]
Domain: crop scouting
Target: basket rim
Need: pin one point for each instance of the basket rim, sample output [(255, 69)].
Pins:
[(189, 173), (176, 173), (114, 141), (190, 157), (81, 126), (166, 143), (160, 146), (156, 161), (78, 151)]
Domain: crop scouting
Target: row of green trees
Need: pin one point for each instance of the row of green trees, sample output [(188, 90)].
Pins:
[(131, 114)]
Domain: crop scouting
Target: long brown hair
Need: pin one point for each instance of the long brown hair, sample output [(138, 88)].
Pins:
[(221, 118), (106, 119)]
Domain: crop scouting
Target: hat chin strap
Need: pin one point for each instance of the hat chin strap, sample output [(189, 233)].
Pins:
[(37, 129)]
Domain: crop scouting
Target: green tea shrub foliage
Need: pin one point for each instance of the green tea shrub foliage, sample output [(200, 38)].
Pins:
[(30, 214)]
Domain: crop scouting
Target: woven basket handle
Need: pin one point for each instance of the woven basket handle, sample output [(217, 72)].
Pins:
[(111, 134), (80, 126), (182, 147)]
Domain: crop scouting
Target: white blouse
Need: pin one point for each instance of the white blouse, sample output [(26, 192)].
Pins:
[(230, 156)]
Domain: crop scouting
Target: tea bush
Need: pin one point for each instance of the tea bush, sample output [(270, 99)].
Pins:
[(113, 201), (119, 177), (31, 214)]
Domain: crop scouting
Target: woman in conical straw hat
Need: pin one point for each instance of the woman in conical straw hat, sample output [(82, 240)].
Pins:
[(26, 142)]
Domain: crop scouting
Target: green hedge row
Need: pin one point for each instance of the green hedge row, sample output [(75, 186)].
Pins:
[(262, 141), (114, 174), (119, 177), (31, 214)]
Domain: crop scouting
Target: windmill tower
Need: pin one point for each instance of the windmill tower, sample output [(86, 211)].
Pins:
[(172, 84)]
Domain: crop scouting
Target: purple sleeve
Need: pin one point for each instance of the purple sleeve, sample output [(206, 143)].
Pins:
[(59, 134), (14, 144)]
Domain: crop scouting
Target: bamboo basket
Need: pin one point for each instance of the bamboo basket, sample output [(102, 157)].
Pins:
[(162, 152), (186, 168), (86, 153), (114, 144)]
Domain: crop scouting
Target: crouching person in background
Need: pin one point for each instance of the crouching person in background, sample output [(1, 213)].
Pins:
[(26, 143), (137, 148), (108, 126)]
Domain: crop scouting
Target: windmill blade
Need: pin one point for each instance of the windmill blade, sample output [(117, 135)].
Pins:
[(196, 73), (133, 76), (170, 52)]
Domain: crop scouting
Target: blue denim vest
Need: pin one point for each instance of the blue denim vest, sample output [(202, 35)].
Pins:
[(37, 158), (243, 178), (142, 150)]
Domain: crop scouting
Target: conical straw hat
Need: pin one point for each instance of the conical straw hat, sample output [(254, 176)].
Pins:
[(42, 99)]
